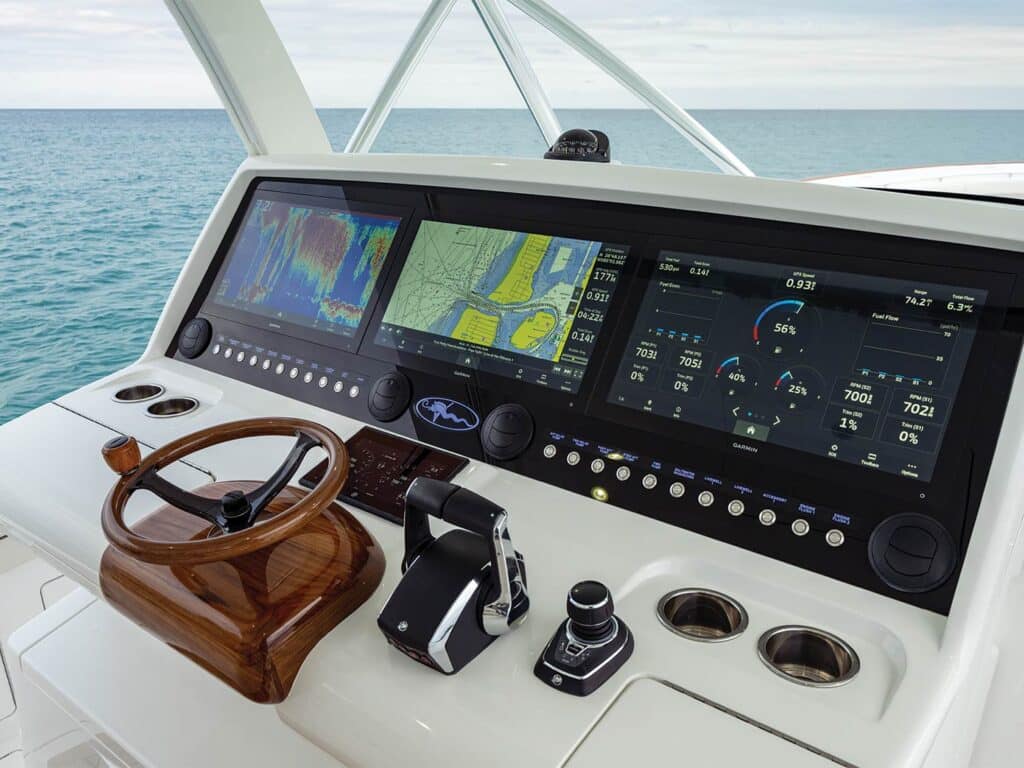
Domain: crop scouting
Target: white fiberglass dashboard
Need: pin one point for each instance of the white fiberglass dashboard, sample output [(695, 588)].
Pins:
[(829, 358)]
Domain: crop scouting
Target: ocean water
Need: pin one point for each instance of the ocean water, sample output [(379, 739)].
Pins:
[(99, 209)]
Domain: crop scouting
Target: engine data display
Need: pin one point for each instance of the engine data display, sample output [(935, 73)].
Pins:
[(313, 266), (521, 305), (859, 368)]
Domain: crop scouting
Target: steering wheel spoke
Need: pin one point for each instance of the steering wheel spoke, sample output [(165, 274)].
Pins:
[(200, 506), (260, 497)]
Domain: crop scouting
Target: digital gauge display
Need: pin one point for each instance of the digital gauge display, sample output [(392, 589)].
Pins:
[(521, 305), (859, 368)]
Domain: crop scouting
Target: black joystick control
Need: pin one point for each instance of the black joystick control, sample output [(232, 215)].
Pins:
[(589, 646), (591, 612)]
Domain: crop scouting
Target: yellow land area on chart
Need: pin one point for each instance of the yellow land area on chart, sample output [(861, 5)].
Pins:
[(534, 328), (476, 327), (517, 285)]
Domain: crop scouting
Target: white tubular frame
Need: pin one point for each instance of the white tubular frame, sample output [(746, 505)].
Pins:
[(518, 65), (376, 114), (632, 81), (251, 71)]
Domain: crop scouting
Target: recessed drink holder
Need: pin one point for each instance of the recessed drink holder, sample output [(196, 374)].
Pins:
[(175, 406), (138, 393), (702, 614), (808, 656)]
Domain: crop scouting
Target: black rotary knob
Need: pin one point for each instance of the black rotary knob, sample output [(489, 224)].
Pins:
[(194, 337), (389, 396), (506, 432), (591, 611)]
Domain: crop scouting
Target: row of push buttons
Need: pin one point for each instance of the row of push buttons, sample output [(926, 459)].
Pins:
[(706, 498), (279, 368)]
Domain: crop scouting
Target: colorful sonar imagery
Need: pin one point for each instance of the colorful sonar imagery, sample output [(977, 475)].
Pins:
[(511, 291), (312, 266)]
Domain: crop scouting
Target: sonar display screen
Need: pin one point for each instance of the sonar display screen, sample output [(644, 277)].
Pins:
[(521, 305), (313, 266)]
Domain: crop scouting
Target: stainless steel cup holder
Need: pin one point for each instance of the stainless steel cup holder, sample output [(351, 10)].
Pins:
[(175, 406), (138, 393), (808, 656), (702, 614)]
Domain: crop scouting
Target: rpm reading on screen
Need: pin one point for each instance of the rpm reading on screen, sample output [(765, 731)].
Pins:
[(863, 369)]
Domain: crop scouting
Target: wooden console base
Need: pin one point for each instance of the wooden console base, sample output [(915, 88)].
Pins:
[(251, 620)]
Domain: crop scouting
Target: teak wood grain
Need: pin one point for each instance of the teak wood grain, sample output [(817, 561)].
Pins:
[(250, 620)]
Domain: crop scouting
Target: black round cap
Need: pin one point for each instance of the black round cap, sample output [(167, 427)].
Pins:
[(590, 608), (911, 552), (195, 337), (506, 432), (234, 505)]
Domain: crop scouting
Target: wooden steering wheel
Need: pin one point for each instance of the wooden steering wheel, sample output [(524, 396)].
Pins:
[(236, 512)]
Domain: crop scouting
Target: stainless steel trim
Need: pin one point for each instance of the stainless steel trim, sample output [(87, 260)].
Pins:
[(182, 412), (437, 648), (376, 114), (578, 604), (126, 400), (573, 638), (847, 659), (739, 625), (495, 615), (518, 65), (591, 672)]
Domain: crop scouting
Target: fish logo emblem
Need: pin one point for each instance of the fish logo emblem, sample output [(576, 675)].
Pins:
[(444, 413)]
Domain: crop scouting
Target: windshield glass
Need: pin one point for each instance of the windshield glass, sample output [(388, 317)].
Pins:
[(796, 89)]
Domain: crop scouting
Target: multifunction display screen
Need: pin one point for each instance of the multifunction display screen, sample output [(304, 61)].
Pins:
[(859, 368), (525, 306), (305, 264)]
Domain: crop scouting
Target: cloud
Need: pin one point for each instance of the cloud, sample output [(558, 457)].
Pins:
[(704, 53)]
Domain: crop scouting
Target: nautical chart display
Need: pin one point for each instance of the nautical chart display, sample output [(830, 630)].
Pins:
[(859, 368), (521, 305), (304, 264)]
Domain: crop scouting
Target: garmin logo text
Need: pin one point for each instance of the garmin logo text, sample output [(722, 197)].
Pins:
[(745, 447), (445, 413)]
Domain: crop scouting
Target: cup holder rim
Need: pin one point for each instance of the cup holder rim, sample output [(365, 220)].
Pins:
[(767, 636), (160, 390), (194, 405), (741, 625)]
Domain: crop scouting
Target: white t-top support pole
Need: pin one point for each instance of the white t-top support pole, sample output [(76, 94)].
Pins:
[(518, 65), (252, 73), (377, 113), (633, 82)]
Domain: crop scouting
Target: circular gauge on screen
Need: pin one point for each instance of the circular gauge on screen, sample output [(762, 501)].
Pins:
[(737, 375), (784, 327), (799, 388)]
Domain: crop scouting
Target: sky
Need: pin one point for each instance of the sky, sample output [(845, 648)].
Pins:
[(817, 54)]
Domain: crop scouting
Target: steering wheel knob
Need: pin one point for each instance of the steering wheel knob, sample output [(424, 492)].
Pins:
[(122, 454)]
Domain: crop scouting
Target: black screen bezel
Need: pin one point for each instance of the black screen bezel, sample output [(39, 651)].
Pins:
[(340, 203), (514, 388), (781, 458)]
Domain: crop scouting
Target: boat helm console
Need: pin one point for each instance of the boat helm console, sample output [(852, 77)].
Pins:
[(825, 397)]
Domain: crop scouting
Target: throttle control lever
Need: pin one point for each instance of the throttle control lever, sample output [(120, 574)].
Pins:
[(461, 590)]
